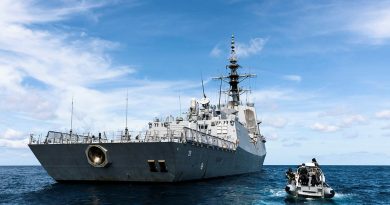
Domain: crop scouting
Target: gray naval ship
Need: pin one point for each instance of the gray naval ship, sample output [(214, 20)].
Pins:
[(211, 141)]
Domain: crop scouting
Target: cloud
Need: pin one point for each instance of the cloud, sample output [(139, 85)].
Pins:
[(13, 138), (384, 114), (295, 78), (386, 135), (14, 143), (272, 94), (59, 64), (349, 120), (273, 136), (254, 47), (363, 22), (270, 98), (351, 135), (386, 127), (346, 121), (292, 144), (372, 22), (336, 111), (324, 127), (216, 51), (12, 134), (28, 12), (277, 122), (368, 23)]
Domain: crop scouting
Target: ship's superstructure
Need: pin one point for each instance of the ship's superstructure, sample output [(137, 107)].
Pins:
[(211, 141)]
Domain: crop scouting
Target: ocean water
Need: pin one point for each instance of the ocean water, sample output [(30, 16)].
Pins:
[(353, 185)]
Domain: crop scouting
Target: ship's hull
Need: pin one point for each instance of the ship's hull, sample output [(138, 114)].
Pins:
[(130, 162)]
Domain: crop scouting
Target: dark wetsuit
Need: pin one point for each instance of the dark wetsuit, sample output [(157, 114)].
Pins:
[(290, 176), (303, 175)]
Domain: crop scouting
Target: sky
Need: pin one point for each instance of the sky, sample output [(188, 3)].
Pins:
[(322, 88)]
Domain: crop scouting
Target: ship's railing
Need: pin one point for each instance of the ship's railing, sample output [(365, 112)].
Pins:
[(197, 137), (54, 137), (188, 135), (184, 135)]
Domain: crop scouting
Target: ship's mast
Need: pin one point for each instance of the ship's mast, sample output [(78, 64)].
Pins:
[(204, 94), (127, 105), (71, 120), (234, 78)]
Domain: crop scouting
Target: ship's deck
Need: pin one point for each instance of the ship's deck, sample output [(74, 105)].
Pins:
[(186, 136)]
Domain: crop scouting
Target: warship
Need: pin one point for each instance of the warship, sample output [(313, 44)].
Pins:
[(210, 141)]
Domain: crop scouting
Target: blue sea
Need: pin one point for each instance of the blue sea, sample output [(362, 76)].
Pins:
[(353, 185)]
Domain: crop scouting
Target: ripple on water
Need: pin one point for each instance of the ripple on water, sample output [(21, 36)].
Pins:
[(31, 185), (277, 192)]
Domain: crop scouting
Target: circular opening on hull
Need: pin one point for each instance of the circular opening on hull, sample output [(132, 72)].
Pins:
[(97, 155)]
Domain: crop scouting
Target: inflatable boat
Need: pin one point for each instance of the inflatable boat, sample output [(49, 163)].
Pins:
[(309, 182)]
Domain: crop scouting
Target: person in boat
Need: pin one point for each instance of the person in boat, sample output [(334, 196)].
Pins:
[(314, 175), (290, 175), (318, 176), (315, 162), (303, 174)]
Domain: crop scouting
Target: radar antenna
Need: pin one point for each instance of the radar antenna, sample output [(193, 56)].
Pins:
[(234, 78), (204, 101), (233, 74)]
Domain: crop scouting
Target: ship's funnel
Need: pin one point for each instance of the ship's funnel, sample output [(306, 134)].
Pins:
[(97, 156)]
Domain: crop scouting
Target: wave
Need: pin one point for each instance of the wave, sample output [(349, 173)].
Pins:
[(343, 195), (277, 192)]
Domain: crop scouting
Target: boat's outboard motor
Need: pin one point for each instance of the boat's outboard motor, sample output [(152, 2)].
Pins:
[(329, 192), (290, 188), (97, 156)]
